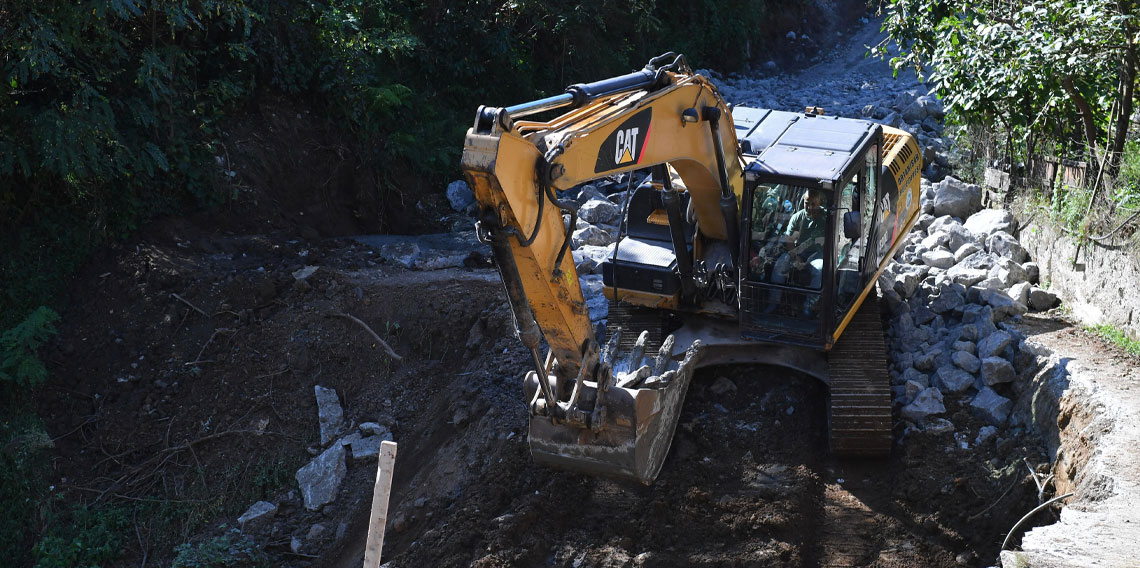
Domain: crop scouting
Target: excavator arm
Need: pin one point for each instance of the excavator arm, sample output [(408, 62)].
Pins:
[(592, 409)]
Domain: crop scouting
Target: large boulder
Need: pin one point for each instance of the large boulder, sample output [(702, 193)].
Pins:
[(965, 250), (589, 192), (948, 299), (1020, 292), (979, 261), (966, 276), (459, 195), (925, 403), (990, 221), (950, 379), (330, 415), (257, 515), (1008, 273), (956, 198), (935, 240), (1033, 270), (597, 211), (1002, 304), (906, 283), (997, 370), (320, 479), (966, 361), (959, 238), (591, 235), (588, 258), (1003, 244), (994, 344), (1041, 300), (938, 258), (990, 406)]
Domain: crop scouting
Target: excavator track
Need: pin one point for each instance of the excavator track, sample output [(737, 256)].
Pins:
[(859, 418), (848, 530)]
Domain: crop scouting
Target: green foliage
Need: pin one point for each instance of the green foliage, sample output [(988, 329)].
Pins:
[(86, 538), (1126, 191), (24, 466), (1115, 335), (18, 361), (1042, 76), (225, 551)]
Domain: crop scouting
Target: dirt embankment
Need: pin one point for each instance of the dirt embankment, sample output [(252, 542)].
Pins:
[(205, 400)]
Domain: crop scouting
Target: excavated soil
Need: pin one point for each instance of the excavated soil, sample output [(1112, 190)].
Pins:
[(184, 376)]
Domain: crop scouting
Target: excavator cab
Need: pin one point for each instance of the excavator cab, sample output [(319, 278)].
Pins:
[(808, 211)]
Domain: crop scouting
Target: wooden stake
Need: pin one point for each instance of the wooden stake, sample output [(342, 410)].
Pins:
[(379, 518)]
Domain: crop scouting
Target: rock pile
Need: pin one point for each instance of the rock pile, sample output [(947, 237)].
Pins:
[(960, 277), (319, 481), (859, 90)]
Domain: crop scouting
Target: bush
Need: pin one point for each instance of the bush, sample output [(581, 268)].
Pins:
[(225, 551), (18, 361), (87, 538)]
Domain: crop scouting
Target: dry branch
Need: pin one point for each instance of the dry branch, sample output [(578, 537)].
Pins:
[(187, 302), (384, 344)]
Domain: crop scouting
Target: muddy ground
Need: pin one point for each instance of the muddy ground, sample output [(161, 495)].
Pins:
[(184, 391)]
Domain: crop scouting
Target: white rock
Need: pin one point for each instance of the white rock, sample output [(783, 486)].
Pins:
[(329, 414), (257, 514), (403, 254), (990, 221), (597, 211), (1003, 244), (996, 370), (1008, 273), (305, 272), (588, 258), (365, 447), (956, 198), (938, 258), (1020, 292), (926, 403), (965, 250), (320, 479), (589, 192), (459, 195), (591, 235)]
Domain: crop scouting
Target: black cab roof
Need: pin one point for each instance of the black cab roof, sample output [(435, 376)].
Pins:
[(815, 148)]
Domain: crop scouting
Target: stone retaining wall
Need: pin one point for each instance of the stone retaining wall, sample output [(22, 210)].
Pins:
[(1102, 288)]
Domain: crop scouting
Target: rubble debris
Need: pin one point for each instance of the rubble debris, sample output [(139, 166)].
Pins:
[(329, 414), (320, 479)]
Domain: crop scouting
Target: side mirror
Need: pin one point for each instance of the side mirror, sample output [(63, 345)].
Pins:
[(851, 225)]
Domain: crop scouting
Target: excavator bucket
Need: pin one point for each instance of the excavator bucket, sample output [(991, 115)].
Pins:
[(628, 427)]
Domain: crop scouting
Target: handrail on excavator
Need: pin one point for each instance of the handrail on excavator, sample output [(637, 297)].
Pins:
[(650, 77)]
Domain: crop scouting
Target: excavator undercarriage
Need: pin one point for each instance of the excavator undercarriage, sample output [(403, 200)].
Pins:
[(755, 236)]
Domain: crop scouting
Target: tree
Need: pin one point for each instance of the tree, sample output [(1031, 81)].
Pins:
[(1020, 63)]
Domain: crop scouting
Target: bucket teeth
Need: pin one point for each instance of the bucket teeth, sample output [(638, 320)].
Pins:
[(637, 420)]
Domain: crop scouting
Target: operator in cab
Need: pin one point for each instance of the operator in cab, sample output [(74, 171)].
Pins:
[(803, 243)]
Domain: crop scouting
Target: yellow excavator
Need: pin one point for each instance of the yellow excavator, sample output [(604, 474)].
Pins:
[(753, 235)]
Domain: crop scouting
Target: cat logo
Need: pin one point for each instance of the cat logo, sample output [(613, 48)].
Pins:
[(625, 146)]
